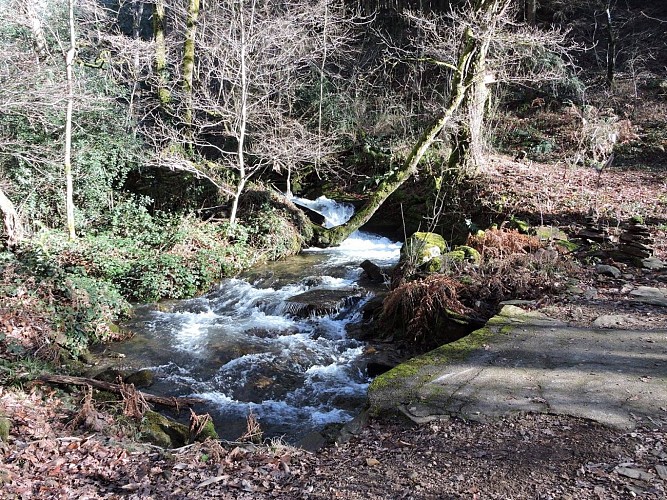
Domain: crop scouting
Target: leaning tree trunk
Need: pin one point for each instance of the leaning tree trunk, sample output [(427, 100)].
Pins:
[(469, 71), (11, 222)]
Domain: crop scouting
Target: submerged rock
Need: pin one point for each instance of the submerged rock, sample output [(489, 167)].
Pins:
[(321, 302)]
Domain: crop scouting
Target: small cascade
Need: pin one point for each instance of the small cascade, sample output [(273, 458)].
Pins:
[(273, 343)]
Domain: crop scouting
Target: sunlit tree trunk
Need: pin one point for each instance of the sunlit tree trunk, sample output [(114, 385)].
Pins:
[(69, 193), (467, 138), (243, 118)]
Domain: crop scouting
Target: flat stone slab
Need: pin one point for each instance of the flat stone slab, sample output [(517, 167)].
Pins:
[(526, 362)]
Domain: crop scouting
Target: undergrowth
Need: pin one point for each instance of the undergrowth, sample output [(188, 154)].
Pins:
[(62, 295)]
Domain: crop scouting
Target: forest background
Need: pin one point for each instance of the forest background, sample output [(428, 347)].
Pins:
[(146, 147)]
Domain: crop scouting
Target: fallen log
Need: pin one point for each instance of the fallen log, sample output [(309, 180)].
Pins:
[(174, 402)]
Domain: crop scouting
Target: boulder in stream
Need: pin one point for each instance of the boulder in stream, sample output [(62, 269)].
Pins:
[(320, 302)]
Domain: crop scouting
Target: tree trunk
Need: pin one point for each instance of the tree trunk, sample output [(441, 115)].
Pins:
[(189, 59), (137, 14), (243, 120), (531, 12), (466, 140), (12, 223), (163, 94), (611, 48), (69, 196), (464, 87)]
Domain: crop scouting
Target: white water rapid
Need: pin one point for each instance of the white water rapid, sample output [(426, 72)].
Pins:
[(248, 347)]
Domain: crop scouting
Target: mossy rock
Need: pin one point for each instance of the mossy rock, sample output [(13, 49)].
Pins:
[(422, 248), (110, 375), (208, 432), (433, 265), (141, 378), (520, 225), (470, 254), (163, 431), (5, 428)]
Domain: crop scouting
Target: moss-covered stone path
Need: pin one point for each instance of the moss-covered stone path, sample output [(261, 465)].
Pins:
[(526, 362)]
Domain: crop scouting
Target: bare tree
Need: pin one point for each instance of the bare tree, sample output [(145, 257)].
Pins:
[(491, 49), (237, 107), (46, 100)]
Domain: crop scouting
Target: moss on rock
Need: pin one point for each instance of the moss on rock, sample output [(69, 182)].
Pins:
[(141, 378), (163, 431), (425, 250)]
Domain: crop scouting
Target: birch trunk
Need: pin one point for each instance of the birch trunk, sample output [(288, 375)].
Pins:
[(69, 191)]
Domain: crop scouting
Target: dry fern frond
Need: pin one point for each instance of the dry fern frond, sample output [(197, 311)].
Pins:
[(253, 433), (420, 306), (499, 242), (134, 403), (197, 423)]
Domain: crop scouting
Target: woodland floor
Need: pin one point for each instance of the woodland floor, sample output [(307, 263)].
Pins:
[(525, 456)]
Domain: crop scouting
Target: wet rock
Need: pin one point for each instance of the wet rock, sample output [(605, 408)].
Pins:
[(313, 441), (315, 217), (605, 270), (380, 362), (321, 302), (141, 378), (373, 271)]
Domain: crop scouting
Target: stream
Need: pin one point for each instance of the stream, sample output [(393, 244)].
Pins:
[(257, 344)]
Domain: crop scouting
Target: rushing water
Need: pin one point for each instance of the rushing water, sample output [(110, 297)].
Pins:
[(242, 348)]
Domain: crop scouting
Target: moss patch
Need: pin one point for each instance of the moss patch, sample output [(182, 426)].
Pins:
[(454, 351)]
